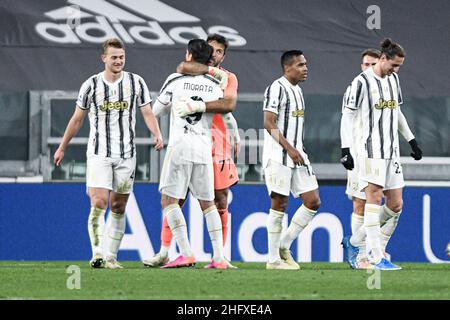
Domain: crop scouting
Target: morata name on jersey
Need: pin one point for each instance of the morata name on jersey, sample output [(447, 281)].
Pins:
[(197, 87)]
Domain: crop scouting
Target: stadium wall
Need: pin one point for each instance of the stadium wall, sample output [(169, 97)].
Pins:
[(49, 222)]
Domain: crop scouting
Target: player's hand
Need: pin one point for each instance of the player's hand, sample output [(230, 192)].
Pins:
[(159, 143), (347, 159), (219, 75), (58, 156), (187, 106), (417, 152), (296, 156), (237, 149)]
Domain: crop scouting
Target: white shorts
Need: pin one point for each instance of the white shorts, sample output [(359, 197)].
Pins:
[(114, 174), (178, 175), (282, 179), (385, 173), (353, 189)]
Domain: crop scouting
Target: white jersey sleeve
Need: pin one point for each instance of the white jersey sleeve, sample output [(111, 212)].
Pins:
[(273, 97), (85, 95), (143, 94), (403, 126), (397, 82), (356, 94)]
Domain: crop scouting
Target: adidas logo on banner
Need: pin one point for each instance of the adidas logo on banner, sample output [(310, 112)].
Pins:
[(93, 21)]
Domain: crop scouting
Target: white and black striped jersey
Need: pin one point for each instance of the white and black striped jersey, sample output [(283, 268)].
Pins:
[(357, 125), (112, 113), (190, 137), (285, 100), (379, 100)]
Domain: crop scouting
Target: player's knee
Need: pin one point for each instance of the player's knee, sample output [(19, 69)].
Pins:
[(358, 206), (313, 204), (99, 203), (221, 202), (280, 205), (396, 206), (118, 207), (221, 199)]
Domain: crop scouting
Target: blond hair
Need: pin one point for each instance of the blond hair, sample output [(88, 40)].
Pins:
[(113, 42)]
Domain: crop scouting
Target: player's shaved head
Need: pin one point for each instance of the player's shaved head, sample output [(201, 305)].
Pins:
[(288, 57), (114, 43), (201, 51)]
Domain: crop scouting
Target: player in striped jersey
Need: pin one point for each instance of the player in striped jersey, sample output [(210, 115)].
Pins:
[(369, 58), (224, 132), (376, 94), (110, 99), (191, 101), (285, 162)]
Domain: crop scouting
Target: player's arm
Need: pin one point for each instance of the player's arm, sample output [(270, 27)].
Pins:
[(347, 124), (406, 132), (403, 126), (353, 98), (270, 124), (195, 68), (231, 124), (229, 100), (161, 108), (152, 125), (74, 125)]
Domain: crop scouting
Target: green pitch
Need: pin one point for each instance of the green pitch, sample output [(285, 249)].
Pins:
[(50, 280)]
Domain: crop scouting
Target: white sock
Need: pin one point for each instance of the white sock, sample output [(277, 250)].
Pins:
[(177, 224), (372, 226), (358, 235), (274, 228), (116, 230), (388, 221), (164, 251), (357, 222), (96, 224), (299, 221), (214, 225)]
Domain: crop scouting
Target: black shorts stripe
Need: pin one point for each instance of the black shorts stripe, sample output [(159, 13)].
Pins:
[(107, 121), (380, 120), (369, 147), (122, 147), (94, 100)]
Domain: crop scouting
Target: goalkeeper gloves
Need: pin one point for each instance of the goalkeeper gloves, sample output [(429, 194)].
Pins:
[(417, 153), (347, 159), (186, 106), (219, 75)]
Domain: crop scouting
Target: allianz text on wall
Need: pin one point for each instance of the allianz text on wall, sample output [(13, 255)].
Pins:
[(49, 222)]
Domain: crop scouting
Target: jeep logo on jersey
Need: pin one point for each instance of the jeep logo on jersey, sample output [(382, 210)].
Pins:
[(134, 21)]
